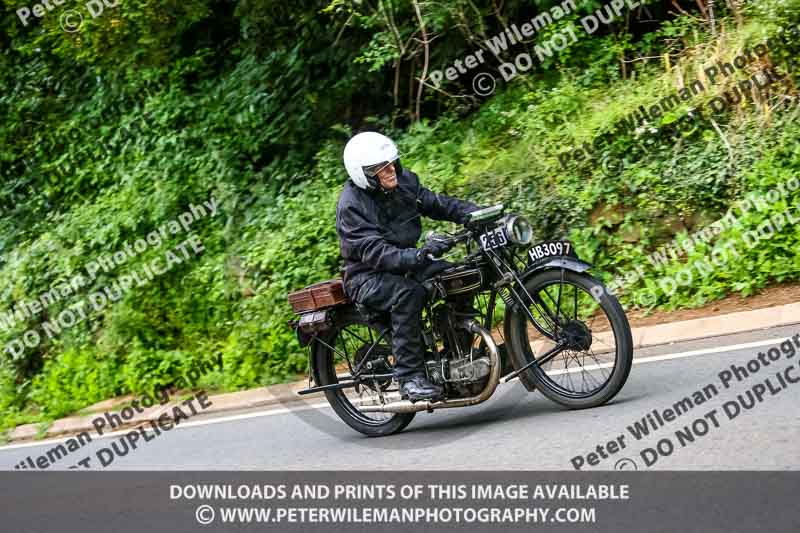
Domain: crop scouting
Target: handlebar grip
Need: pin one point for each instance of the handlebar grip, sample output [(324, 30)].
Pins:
[(449, 241)]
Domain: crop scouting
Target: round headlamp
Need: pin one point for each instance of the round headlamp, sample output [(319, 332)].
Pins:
[(519, 230)]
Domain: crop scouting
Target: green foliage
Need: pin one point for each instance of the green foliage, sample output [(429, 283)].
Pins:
[(761, 248), (75, 379), (154, 370), (109, 132)]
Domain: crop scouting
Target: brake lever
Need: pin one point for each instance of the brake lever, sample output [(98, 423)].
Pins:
[(450, 241)]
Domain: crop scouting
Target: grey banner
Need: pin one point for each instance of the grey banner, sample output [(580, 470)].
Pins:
[(176, 502)]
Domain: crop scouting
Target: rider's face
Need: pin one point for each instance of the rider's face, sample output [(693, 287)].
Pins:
[(387, 177)]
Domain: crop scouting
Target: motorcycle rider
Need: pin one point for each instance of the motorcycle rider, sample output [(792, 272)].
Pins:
[(378, 224)]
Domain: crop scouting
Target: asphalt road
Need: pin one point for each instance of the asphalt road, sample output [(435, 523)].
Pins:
[(513, 429)]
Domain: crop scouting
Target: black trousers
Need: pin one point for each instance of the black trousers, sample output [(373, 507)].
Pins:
[(403, 298)]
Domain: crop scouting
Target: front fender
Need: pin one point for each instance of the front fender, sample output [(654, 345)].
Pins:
[(558, 261)]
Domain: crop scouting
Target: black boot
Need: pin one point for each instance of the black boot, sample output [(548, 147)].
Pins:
[(419, 388)]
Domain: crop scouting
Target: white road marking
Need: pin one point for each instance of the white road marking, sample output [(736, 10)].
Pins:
[(232, 418), (322, 405), (680, 355)]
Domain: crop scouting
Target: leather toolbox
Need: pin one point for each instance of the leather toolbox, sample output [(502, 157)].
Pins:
[(318, 296)]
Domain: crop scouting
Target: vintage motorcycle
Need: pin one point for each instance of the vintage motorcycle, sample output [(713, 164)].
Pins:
[(563, 334)]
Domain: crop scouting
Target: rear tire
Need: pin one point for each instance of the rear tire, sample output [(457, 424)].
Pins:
[(325, 374)]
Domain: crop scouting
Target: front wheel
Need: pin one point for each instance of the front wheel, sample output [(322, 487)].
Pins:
[(589, 339)]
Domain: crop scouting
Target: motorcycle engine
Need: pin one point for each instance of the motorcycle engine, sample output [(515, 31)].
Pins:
[(464, 370), (465, 376), (460, 367)]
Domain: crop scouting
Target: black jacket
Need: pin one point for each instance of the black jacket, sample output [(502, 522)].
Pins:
[(378, 232)]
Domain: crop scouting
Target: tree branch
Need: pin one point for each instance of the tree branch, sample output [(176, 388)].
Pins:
[(424, 76)]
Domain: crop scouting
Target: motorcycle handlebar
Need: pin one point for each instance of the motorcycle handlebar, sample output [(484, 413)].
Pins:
[(450, 241), (458, 238)]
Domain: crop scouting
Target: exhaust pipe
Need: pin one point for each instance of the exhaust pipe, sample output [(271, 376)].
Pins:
[(406, 406)]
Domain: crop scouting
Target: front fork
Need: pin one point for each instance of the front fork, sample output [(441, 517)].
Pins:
[(516, 299)]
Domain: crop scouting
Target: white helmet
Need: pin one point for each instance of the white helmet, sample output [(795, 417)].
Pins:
[(365, 154)]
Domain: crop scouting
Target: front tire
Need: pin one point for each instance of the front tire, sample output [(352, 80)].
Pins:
[(592, 324)]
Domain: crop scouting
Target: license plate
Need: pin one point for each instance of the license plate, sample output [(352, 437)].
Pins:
[(495, 238), (547, 249)]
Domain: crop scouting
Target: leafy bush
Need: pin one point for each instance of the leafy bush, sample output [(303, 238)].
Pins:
[(111, 131), (73, 380)]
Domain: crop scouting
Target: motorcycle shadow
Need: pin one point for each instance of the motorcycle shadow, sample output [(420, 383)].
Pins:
[(444, 426), (517, 404)]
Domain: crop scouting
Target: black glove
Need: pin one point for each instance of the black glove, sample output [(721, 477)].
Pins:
[(431, 249)]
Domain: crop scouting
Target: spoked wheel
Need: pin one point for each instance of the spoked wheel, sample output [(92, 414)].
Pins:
[(357, 346), (584, 345)]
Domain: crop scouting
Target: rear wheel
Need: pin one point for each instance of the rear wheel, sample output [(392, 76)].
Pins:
[(356, 344), (589, 339)]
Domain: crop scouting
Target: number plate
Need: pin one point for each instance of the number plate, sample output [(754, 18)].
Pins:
[(495, 238), (551, 248)]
